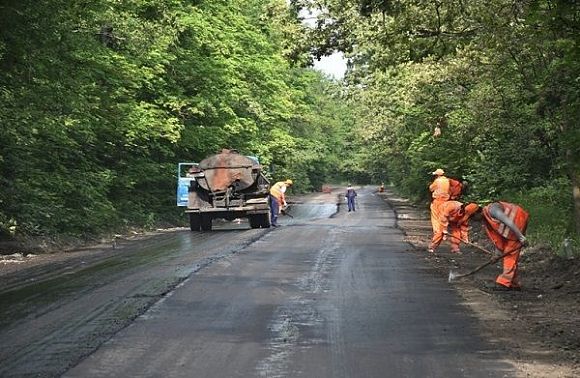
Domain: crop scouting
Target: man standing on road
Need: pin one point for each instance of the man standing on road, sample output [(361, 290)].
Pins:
[(455, 221), (505, 224), (350, 196), (278, 199), (440, 193)]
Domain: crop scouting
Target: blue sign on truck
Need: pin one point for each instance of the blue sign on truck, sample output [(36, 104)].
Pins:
[(185, 172)]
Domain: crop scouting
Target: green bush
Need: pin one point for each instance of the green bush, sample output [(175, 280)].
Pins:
[(551, 214)]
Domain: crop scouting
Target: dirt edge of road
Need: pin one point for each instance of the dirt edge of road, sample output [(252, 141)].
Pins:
[(538, 328), (41, 252)]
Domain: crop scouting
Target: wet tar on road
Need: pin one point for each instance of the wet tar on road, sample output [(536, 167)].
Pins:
[(331, 293), (321, 296)]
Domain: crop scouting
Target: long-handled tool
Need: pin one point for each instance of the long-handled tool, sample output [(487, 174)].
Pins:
[(453, 276), (285, 212), (472, 244)]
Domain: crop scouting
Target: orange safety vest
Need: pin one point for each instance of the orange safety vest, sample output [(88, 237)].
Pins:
[(498, 232), (440, 188), (452, 211)]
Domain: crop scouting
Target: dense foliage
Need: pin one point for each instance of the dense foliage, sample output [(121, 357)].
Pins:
[(99, 100), (488, 90)]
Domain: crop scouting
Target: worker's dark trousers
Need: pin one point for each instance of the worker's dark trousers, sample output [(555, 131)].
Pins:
[(350, 201), (274, 209)]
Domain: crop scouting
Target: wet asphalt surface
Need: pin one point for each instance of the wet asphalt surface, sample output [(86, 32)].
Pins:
[(328, 294)]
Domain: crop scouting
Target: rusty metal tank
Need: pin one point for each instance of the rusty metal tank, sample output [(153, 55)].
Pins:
[(228, 169)]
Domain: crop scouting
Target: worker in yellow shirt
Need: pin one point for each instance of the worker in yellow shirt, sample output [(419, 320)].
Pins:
[(278, 200)]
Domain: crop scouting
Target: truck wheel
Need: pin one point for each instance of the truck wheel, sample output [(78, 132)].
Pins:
[(206, 223), (254, 221), (265, 220), (194, 222)]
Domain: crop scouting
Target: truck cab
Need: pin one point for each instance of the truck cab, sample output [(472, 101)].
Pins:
[(185, 174)]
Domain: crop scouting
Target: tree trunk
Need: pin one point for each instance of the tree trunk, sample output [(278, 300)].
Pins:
[(576, 192), (574, 173)]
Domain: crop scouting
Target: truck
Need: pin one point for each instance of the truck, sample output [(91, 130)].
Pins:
[(227, 185)]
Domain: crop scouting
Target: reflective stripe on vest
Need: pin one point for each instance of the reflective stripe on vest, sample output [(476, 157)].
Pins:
[(510, 211)]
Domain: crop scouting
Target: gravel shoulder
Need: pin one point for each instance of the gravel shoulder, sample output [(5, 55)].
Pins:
[(539, 326)]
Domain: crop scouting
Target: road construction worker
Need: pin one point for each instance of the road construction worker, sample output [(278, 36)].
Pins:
[(350, 196), (505, 224), (440, 193), (277, 200), (455, 224)]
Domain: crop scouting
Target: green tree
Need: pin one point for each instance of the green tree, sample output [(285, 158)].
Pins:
[(498, 79)]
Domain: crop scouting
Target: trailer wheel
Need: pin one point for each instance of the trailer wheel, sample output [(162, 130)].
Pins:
[(265, 220), (194, 222), (206, 223), (254, 221)]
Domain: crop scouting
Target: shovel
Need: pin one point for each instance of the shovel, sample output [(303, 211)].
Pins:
[(284, 211)]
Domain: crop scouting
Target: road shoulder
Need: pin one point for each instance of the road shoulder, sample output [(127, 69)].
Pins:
[(538, 326)]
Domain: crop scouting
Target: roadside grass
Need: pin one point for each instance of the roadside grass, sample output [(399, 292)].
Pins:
[(551, 217)]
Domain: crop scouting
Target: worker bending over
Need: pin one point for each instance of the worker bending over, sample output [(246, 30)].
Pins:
[(505, 224), (278, 200), (454, 220)]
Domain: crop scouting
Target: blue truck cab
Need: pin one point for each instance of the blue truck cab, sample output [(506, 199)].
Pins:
[(185, 173)]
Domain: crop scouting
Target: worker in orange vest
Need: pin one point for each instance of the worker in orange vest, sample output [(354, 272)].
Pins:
[(455, 222), (440, 194), (505, 224), (278, 200)]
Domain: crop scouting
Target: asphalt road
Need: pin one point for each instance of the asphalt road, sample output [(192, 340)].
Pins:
[(328, 294)]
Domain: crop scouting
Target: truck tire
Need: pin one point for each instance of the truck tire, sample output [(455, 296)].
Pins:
[(206, 222), (265, 220), (255, 221), (194, 221)]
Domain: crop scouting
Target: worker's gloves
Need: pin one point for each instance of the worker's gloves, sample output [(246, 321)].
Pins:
[(523, 240)]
